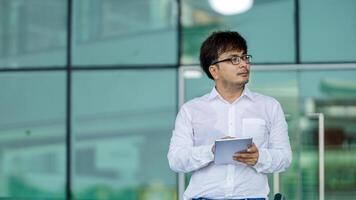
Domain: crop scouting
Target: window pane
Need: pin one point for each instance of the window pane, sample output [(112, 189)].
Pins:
[(32, 135), (32, 33), (261, 26), (281, 85), (125, 32), (328, 30), (333, 93), (122, 127)]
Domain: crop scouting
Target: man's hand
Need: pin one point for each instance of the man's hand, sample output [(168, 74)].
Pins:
[(249, 157)]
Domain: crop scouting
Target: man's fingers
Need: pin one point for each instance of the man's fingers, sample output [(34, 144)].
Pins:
[(242, 155), (249, 157), (252, 148), (248, 161), (245, 155)]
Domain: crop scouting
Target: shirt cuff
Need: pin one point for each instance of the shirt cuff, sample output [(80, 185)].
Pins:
[(264, 160)]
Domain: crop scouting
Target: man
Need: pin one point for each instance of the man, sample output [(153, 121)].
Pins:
[(229, 110)]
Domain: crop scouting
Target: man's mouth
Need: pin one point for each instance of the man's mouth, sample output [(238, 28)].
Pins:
[(243, 73)]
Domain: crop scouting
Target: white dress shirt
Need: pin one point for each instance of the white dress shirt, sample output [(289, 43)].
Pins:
[(203, 120)]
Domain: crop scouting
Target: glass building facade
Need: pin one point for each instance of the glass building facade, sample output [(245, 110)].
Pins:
[(90, 90)]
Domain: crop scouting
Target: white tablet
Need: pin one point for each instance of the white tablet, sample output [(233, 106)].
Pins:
[(226, 148)]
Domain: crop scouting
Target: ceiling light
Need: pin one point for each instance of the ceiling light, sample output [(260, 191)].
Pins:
[(231, 7)]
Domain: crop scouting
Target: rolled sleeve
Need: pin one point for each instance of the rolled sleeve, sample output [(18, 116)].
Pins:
[(278, 155), (264, 161), (183, 156)]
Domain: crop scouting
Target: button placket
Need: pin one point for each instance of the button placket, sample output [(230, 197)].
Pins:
[(231, 120), (230, 168)]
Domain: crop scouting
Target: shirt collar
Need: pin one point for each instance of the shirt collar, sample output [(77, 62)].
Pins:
[(246, 92)]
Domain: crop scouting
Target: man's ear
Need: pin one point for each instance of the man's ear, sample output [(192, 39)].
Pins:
[(213, 69)]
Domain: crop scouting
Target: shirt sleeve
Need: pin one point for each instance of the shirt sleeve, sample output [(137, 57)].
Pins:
[(183, 156), (277, 156)]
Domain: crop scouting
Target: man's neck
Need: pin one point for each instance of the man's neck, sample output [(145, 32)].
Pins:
[(230, 94)]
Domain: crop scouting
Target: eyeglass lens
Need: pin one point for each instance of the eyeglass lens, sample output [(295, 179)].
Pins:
[(237, 59)]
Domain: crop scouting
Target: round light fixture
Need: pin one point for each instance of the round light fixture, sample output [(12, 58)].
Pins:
[(231, 7)]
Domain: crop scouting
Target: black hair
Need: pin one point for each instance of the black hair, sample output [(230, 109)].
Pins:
[(218, 43)]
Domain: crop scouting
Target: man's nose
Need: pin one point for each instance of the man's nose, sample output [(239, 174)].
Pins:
[(243, 64)]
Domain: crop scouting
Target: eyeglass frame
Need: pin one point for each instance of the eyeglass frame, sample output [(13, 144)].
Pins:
[(249, 57)]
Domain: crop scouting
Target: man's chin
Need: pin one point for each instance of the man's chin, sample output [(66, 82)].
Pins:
[(243, 82)]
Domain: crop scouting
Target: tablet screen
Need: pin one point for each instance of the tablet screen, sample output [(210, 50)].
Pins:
[(226, 148)]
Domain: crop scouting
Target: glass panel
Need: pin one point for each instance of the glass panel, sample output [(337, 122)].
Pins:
[(330, 92), (122, 123), (258, 25), (309, 159), (334, 94), (32, 33), (281, 85), (196, 86), (125, 32), (328, 30), (32, 135)]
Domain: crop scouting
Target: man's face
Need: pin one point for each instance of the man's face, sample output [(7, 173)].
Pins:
[(231, 74)]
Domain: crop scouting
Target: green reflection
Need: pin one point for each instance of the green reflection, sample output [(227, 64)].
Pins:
[(32, 33), (260, 26), (122, 126), (32, 135), (117, 32)]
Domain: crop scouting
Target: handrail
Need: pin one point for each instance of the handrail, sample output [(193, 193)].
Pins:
[(181, 99), (320, 117)]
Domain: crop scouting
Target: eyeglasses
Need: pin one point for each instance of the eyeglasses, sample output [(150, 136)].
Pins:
[(235, 60)]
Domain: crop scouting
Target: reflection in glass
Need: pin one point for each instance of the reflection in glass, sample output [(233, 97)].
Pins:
[(122, 124), (119, 32), (324, 38), (281, 85), (32, 33), (259, 26), (32, 135), (333, 94)]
